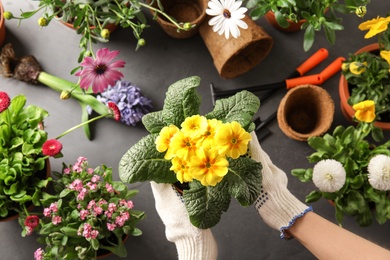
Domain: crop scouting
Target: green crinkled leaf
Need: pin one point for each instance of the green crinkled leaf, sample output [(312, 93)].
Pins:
[(205, 205), (243, 180), (181, 101), (142, 162), (241, 108), (153, 122)]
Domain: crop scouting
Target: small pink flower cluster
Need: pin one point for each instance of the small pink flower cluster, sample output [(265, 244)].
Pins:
[(51, 211)]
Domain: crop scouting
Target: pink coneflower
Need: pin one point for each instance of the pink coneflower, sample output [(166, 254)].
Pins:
[(100, 72), (51, 147), (31, 221), (4, 101), (116, 113)]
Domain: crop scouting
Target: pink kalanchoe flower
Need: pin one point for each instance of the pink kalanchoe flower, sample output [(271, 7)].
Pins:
[(4, 101), (29, 230), (38, 254), (100, 72), (56, 220), (51, 147)]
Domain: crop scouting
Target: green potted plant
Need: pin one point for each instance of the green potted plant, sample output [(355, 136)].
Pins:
[(23, 166), (94, 20), (308, 15), (351, 171), (365, 74), (204, 156), (88, 214)]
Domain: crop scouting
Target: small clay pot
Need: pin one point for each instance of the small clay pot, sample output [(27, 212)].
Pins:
[(305, 111), (235, 56), (191, 11)]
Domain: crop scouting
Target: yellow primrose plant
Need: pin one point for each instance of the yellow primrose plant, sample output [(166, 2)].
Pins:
[(369, 72), (350, 171), (203, 154)]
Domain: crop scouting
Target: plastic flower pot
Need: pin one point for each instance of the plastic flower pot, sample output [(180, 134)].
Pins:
[(191, 11), (344, 93), (305, 111), (293, 26), (236, 56)]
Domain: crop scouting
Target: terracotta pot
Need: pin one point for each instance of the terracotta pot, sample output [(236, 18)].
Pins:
[(192, 11), (235, 56), (44, 173), (305, 111), (2, 24), (293, 26), (346, 109)]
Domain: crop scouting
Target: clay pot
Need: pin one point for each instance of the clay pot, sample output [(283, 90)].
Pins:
[(2, 24), (235, 56), (346, 109), (293, 26), (305, 111), (192, 11)]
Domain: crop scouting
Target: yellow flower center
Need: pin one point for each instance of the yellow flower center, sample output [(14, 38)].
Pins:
[(329, 176)]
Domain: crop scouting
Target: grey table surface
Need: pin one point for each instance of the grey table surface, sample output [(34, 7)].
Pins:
[(241, 234)]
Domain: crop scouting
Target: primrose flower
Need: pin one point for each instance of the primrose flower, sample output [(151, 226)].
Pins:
[(208, 166), (194, 126), (357, 68), (181, 168), (329, 175), (374, 26), (232, 139), (100, 72), (182, 145), (164, 138), (379, 172), (207, 138), (385, 55), (4, 101), (52, 147), (365, 111), (227, 17)]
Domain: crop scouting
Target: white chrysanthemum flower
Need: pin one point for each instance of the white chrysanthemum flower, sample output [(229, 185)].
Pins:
[(379, 172), (329, 175), (227, 17)]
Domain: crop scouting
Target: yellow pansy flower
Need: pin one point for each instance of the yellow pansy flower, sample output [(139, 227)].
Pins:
[(357, 68), (181, 168), (232, 139), (375, 26), (164, 138), (385, 55), (182, 146), (194, 126), (208, 166), (365, 111)]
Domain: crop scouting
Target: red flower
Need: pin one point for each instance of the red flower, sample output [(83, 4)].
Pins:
[(116, 114), (31, 221), (4, 101), (51, 147)]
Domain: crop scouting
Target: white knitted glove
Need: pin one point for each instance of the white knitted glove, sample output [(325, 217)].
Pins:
[(276, 205), (191, 243)]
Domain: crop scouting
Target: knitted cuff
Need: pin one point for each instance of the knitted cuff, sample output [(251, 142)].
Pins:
[(202, 246)]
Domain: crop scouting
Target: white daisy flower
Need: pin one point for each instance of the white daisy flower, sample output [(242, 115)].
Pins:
[(227, 17), (379, 172), (329, 175)]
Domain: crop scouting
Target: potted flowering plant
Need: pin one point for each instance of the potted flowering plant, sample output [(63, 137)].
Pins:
[(365, 74), (95, 20), (23, 166), (89, 213), (308, 15), (205, 153), (350, 171)]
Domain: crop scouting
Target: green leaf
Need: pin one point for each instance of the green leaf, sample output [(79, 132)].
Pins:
[(304, 175), (357, 182), (313, 196), (308, 38), (244, 180), (142, 162), (181, 101), (205, 204), (72, 232), (153, 122), (240, 108)]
